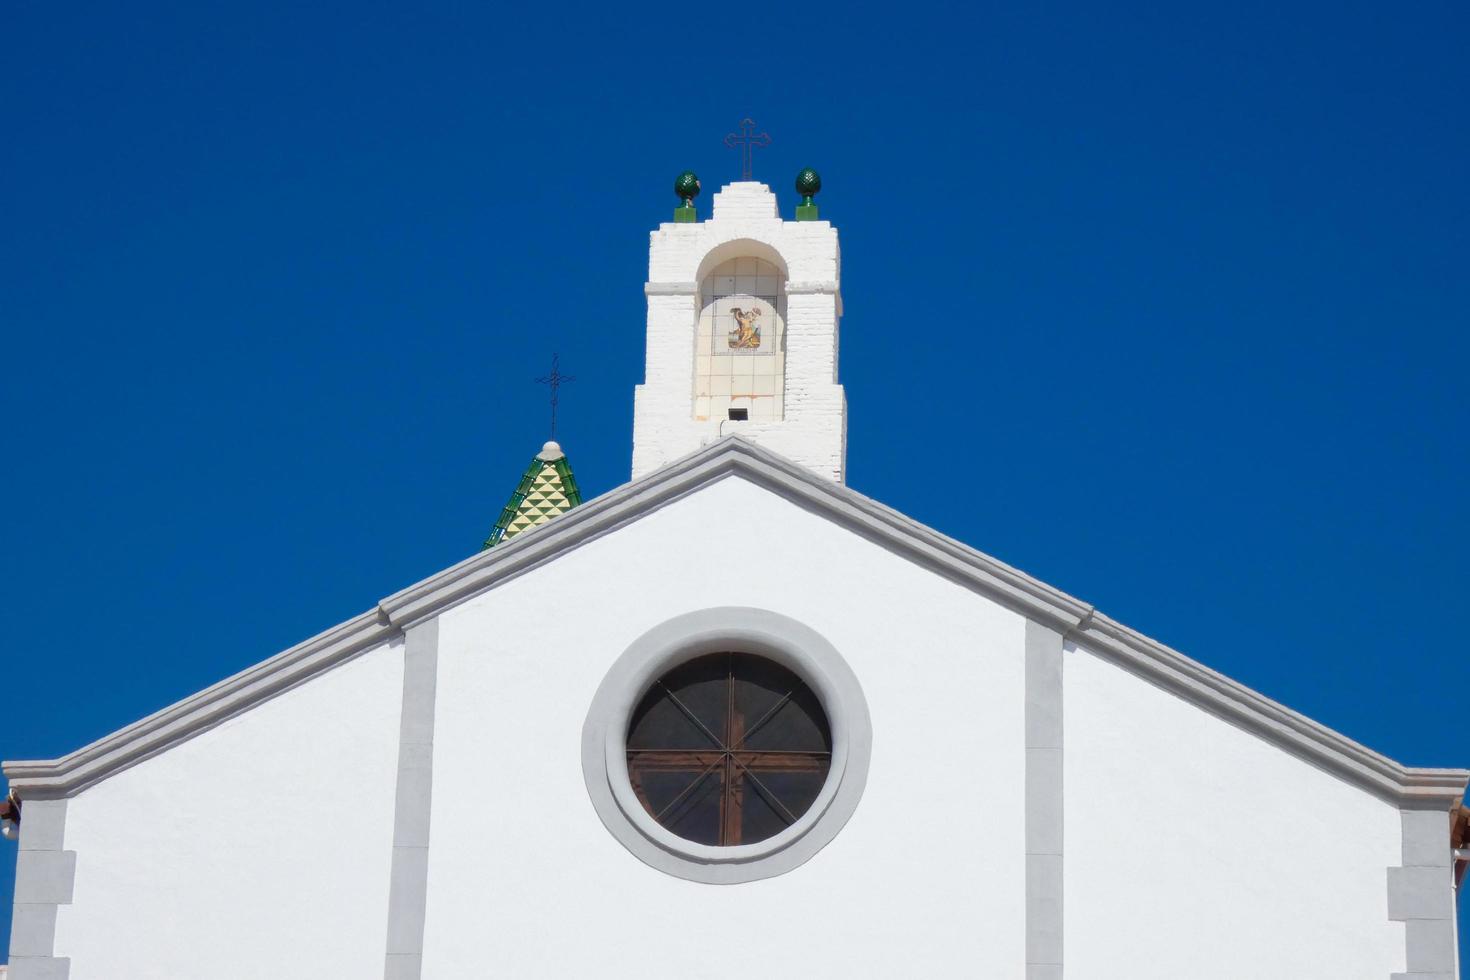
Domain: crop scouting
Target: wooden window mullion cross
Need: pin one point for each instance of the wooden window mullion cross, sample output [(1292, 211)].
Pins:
[(744, 773)]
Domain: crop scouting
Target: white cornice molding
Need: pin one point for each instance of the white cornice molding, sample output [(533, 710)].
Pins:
[(53, 778), (1276, 723), (732, 455), (798, 288), (670, 288)]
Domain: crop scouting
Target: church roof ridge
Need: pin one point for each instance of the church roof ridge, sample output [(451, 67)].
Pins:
[(1079, 622)]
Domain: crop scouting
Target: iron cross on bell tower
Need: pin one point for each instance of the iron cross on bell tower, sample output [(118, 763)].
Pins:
[(746, 141)]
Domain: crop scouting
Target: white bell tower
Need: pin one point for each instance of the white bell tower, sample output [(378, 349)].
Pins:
[(742, 332)]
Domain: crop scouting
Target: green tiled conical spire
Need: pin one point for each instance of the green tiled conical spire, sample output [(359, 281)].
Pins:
[(547, 489)]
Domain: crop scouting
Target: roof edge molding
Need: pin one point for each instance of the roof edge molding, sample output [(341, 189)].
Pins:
[(55, 778), (725, 457), (1307, 739), (1078, 621)]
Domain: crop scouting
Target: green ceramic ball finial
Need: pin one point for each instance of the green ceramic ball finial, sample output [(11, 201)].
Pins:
[(686, 185), (808, 183)]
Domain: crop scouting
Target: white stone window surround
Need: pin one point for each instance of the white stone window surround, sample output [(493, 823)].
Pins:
[(743, 629)]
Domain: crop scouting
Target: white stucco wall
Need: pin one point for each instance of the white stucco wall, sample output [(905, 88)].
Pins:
[(1193, 850), (266, 840), (925, 880), (1196, 850)]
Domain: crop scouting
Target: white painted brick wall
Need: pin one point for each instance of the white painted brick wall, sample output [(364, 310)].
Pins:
[(745, 221)]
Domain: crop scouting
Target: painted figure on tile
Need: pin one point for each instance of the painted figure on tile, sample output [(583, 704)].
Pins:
[(746, 336)]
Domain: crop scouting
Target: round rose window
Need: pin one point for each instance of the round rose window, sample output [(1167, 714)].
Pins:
[(729, 748)]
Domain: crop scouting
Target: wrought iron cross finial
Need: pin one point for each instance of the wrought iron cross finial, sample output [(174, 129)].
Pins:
[(554, 380), (746, 141)]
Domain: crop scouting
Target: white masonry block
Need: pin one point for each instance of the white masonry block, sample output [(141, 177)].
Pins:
[(809, 422)]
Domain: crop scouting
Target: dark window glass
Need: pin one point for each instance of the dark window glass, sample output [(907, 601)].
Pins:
[(692, 718), (690, 803), (729, 748)]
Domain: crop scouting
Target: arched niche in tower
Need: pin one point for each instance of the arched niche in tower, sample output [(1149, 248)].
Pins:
[(740, 336)]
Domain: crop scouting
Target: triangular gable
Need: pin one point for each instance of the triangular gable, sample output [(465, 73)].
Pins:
[(1077, 621)]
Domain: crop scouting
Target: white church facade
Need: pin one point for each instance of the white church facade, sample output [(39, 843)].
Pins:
[(861, 750)]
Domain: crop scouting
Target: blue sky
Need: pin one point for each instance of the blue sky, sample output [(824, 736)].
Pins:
[(1180, 294)]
